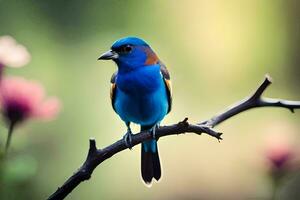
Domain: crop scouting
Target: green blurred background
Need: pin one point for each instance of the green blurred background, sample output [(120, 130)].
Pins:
[(217, 53)]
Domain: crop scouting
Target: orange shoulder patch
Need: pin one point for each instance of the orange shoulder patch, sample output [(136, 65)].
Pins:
[(112, 91), (169, 86), (169, 91), (152, 58)]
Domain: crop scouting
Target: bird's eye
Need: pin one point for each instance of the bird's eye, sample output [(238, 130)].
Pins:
[(126, 49)]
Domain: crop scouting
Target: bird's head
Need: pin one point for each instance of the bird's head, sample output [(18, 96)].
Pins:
[(130, 53)]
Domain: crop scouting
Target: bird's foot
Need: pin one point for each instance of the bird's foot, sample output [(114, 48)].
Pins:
[(153, 131), (128, 139)]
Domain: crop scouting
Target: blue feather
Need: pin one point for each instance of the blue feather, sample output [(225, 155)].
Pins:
[(141, 96), (129, 40)]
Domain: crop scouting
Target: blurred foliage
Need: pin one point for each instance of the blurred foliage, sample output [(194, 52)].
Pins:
[(216, 51)]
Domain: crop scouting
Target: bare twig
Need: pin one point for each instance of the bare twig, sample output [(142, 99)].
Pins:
[(254, 101), (96, 156)]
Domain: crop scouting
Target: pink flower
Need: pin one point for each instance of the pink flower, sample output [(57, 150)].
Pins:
[(279, 156), (12, 54), (21, 99), (280, 149)]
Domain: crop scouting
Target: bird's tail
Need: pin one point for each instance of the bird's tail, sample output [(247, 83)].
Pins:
[(150, 164)]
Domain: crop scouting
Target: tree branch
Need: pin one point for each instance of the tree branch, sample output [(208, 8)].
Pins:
[(96, 156), (254, 101)]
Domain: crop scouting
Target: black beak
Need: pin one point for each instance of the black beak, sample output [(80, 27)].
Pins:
[(109, 55)]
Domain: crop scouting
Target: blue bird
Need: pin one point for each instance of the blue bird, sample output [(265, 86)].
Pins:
[(141, 94)]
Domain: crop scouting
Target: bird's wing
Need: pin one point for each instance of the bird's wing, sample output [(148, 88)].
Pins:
[(113, 89), (167, 80)]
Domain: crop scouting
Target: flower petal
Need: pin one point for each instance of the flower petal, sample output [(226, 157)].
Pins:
[(13, 54), (49, 109)]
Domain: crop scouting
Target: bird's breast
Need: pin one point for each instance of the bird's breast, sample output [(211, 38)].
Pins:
[(144, 80), (141, 97)]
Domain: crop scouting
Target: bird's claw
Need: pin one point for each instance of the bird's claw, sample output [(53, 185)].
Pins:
[(128, 139), (153, 131)]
